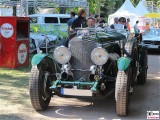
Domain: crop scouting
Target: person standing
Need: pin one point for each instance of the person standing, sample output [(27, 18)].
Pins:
[(128, 25), (97, 18), (137, 32), (122, 20), (70, 21), (101, 21), (115, 22), (80, 22)]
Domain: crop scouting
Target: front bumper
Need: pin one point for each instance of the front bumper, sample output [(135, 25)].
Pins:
[(76, 89)]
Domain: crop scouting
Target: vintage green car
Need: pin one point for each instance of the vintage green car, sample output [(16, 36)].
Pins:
[(94, 63)]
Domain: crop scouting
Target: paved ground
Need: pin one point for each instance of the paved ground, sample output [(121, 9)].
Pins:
[(145, 98)]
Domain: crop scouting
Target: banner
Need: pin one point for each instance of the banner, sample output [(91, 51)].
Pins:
[(151, 6)]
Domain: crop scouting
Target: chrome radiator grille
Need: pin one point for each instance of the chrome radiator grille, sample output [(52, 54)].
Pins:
[(81, 57)]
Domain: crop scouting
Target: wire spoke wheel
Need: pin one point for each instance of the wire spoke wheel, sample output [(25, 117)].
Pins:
[(132, 52)]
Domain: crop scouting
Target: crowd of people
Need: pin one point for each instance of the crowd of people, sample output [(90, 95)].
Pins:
[(94, 21), (81, 22)]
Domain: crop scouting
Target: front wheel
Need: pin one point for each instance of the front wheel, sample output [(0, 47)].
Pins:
[(122, 94), (39, 83)]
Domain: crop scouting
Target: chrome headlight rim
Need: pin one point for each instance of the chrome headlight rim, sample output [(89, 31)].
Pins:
[(62, 55), (99, 56)]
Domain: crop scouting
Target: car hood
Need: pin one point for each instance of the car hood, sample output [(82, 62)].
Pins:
[(41, 37)]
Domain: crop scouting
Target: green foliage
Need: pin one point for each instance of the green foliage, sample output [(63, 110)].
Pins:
[(107, 6), (110, 6), (93, 6)]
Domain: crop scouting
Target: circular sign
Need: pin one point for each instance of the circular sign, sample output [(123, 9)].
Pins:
[(22, 53), (7, 30)]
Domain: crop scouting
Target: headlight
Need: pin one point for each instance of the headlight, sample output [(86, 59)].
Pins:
[(99, 56), (62, 55)]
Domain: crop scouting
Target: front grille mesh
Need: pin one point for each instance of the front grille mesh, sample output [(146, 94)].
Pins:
[(81, 57)]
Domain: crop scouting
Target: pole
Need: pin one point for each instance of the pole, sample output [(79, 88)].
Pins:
[(24, 7), (15, 9)]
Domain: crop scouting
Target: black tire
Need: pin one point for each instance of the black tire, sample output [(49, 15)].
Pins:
[(122, 94), (32, 47), (40, 94), (131, 51), (142, 77)]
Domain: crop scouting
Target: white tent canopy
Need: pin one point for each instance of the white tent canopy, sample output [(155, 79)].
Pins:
[(127, 10), (140, 7)]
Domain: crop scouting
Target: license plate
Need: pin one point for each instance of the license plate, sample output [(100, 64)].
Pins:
[(153, 46), (75, 92)]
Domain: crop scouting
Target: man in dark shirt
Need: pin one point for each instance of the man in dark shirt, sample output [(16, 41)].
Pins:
[(122, 20), (70, 21), (80, 22)]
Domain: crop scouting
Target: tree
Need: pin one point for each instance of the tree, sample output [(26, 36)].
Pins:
[(93, 6)]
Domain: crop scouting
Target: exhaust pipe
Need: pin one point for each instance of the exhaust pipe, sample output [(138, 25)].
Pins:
[(64, 76), (91, 77)]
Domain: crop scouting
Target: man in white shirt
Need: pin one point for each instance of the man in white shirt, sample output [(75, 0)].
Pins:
[(136, 30), (138, 35)]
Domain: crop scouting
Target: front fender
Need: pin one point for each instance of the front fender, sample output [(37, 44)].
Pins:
[(54, 66), (123, 63), (38, 58)]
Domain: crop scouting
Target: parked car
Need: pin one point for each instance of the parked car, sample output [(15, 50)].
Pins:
[(51, 25), (94, 63), (151, 38)]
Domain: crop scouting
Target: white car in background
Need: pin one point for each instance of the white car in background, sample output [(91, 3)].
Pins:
[(54, 26), (151, 38)]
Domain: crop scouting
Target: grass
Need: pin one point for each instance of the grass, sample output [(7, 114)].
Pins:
[(14, 92)]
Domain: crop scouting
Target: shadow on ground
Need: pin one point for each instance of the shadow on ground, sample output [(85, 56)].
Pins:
[(143, 99), (10, 117)]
